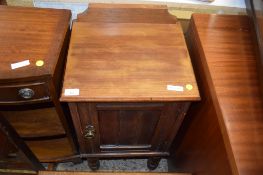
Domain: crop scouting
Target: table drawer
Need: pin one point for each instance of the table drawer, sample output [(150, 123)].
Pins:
[(23, 93)]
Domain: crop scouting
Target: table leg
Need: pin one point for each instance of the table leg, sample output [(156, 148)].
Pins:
[(94, 164), (153, 162)]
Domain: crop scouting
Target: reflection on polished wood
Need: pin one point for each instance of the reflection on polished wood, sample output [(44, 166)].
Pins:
[(121, 58), (23, 37), (225, 131), (29, 94), (128, 62)]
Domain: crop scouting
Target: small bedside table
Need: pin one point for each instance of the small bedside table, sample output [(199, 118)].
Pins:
[(32, 53), (128, 86)]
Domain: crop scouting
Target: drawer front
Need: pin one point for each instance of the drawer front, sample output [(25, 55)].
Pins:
[(24, 93)]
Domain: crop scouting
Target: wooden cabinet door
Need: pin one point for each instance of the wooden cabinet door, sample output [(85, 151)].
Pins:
[(129, 127)]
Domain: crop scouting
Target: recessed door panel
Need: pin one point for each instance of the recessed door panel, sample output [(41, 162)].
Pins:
[(126, 129)]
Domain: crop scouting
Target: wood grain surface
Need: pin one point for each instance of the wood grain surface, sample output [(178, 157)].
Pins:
[(31, 34), (122, 13), (226, 56), (128, 62), (254, 9)]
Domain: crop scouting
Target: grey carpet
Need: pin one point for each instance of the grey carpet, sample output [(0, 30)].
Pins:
[(128, 165)]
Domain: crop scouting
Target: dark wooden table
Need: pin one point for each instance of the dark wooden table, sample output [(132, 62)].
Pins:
[(128, 84), (32, 53), (224, 134)]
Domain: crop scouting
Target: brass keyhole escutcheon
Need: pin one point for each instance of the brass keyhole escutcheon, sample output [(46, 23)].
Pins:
[(89, 132), (26, 93)]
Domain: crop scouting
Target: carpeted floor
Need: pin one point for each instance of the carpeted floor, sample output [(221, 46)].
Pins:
[(129, 165)]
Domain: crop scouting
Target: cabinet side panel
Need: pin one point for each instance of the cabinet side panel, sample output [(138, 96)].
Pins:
[(77, 125), (35, 123), (255, 9)]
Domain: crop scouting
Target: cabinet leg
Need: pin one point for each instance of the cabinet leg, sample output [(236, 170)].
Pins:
[(153, 162), (94, 164), (52, 166), (77, 161)]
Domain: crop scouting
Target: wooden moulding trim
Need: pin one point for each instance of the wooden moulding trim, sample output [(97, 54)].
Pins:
[(130, 99), (162, 9), (124, 147), (130, 106), (110, 154), (17, 171), (126, 154), (44, 99)]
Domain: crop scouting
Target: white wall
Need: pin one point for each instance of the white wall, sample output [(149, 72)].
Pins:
[(228, 3)]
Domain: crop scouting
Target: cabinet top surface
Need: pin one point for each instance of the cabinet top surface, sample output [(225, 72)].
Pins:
[(129, 62), (31, 37), (228, 58)]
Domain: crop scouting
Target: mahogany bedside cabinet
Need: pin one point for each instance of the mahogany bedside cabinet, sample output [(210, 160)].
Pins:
[(129, 85), (33, 46)]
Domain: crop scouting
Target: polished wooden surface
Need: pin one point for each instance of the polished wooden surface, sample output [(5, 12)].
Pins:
[(128, 62), (14, 153), (53, 150), (30, 34), (200, 141), (36, 34), (226, 61), (255, 9), (106, 173), (122, 13), (35, 123)]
